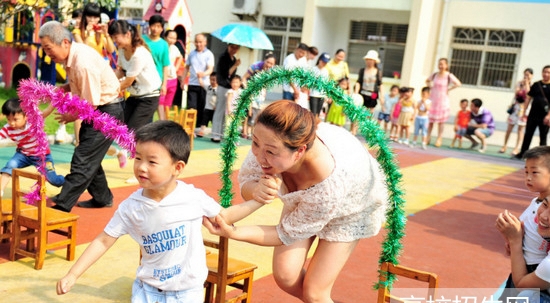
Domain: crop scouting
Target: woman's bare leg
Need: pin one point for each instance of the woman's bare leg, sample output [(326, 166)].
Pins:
[(324, 268), (519, 141), (288, 266)]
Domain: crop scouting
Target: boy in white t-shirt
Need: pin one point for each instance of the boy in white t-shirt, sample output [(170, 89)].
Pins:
[(164, 217), (525, 242)]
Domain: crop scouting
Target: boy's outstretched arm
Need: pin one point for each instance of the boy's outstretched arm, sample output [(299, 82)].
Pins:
[(93, 252), (237, 212), (258, 193)]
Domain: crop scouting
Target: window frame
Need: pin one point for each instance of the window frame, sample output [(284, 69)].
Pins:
[(486, 46)]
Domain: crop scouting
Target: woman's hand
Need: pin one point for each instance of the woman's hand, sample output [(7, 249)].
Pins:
[(547, 120), (267, 189), (218, 226), (65, 118)]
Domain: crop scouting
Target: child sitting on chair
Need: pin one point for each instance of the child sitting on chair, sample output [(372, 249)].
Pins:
[(164, 217), (18, 130)]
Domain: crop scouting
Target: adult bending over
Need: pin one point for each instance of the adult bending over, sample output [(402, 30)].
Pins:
[(326, 194)]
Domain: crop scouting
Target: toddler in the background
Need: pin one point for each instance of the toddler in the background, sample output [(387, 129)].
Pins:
[(461, 123), (386, 106), (421, 121), (406, 114)]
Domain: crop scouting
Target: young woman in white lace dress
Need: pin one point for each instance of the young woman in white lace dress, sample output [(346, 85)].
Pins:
[(331, 187)]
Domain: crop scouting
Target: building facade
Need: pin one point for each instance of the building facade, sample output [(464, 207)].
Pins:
[(488, 42)]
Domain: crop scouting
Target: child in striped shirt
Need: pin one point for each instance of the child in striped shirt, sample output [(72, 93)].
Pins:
[(17, 129)]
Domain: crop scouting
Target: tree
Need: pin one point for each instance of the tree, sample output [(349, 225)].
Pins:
[(10, 8)]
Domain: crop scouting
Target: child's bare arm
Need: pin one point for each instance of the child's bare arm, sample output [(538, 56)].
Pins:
[(93, 252), (239, 211), (46, 112)]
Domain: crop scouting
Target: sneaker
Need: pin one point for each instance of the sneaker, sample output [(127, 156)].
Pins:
[(424, 146), (412, 144), (474, 145), (481, 150), (406, 142), (61, 134), (400, 141)]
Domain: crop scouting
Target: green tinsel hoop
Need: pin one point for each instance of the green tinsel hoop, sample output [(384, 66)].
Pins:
[(374, 136)]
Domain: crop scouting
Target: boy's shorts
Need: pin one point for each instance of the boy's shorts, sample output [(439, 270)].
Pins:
[(383, 116), (461, 131), (143, 293)]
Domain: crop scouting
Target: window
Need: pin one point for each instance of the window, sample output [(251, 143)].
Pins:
[(486, 57), (388, 39), (131, 13), (285, 33)]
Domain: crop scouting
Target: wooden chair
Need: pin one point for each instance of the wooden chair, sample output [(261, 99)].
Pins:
[(35, 224), (384, 295), (188, 119), (172, 114), (224, 271)]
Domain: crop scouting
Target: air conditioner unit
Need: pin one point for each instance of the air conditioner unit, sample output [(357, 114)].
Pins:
[(246, 7)]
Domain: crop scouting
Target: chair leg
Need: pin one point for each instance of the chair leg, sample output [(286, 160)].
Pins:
[(71, 248), (209, 292), (5, 229), (247, 287), (41, 250), (15, 239)]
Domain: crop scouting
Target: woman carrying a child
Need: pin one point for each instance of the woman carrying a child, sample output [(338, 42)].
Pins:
[(517, 111), (326, 195)]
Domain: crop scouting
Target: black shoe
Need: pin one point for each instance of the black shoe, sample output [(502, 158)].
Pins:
[(517, 157), (93, 204), (60, 208), (215, 140)]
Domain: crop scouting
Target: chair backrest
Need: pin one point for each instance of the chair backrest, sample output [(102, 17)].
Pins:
[(18, 195), (386, 268), (173, 113), (188, 118)]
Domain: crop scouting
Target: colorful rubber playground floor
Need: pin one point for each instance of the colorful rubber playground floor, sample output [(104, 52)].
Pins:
[(453, 198)]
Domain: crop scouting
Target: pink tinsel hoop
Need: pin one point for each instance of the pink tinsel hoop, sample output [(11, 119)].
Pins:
[(32, 91)]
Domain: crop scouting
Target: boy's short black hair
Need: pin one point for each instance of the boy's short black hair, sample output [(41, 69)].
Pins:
[(464, 100), (168, 134), (539, 152), (156, 19), (477, 102), (406, 89), (426, 89), (11, 107), (303, 46)]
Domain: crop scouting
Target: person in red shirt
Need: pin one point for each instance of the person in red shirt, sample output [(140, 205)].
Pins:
[(461, 123)]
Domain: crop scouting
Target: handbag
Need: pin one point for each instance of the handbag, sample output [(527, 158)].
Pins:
[(510, 109), (545, 99)]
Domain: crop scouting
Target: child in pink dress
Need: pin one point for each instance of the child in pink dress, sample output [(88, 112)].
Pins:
[(395, 111)]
